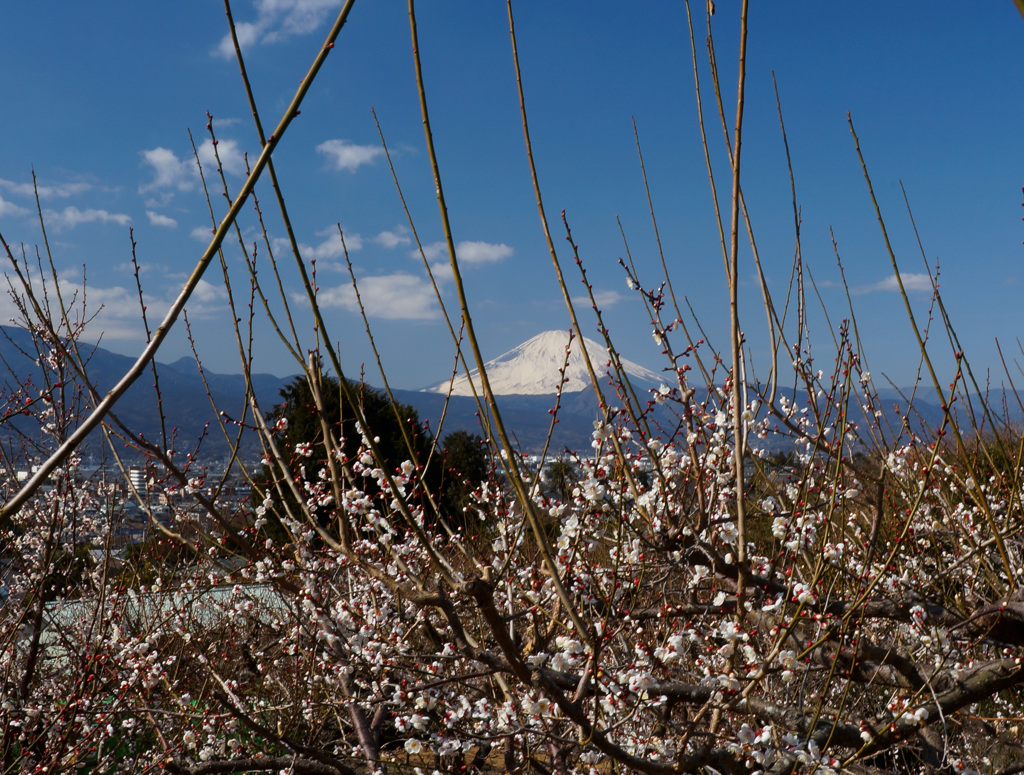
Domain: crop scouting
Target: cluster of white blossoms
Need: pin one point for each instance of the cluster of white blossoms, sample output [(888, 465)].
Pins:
[(593, 624)]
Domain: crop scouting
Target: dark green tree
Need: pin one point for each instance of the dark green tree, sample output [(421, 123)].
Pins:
[(561, 476), (466, 465), (395, 427)]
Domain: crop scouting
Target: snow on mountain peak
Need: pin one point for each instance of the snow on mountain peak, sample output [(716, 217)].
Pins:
[(532, 368)]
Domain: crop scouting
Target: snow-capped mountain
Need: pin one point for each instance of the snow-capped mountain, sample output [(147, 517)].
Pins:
[(532, 368)]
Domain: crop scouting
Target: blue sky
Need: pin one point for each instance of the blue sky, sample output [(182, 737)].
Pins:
[(98, 99)]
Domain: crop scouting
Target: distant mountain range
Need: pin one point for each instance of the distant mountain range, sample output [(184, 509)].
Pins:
[(185, 401), (524, 379)]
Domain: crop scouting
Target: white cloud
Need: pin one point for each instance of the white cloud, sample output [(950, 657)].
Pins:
[(399, 296), (442, 271), (61, 190), (393, 239), (9, 209), (231, 157), (329, 248), (468, 252), (223, 122), (278, 20), (348, 157), (114, 312), (168, 171), (603, 299), (156, 219), (912, 281), (70, 217), (433, 251), (482, 252), (201, 233), (206, 293), (118, 301), (162, 200), (248, 35)]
